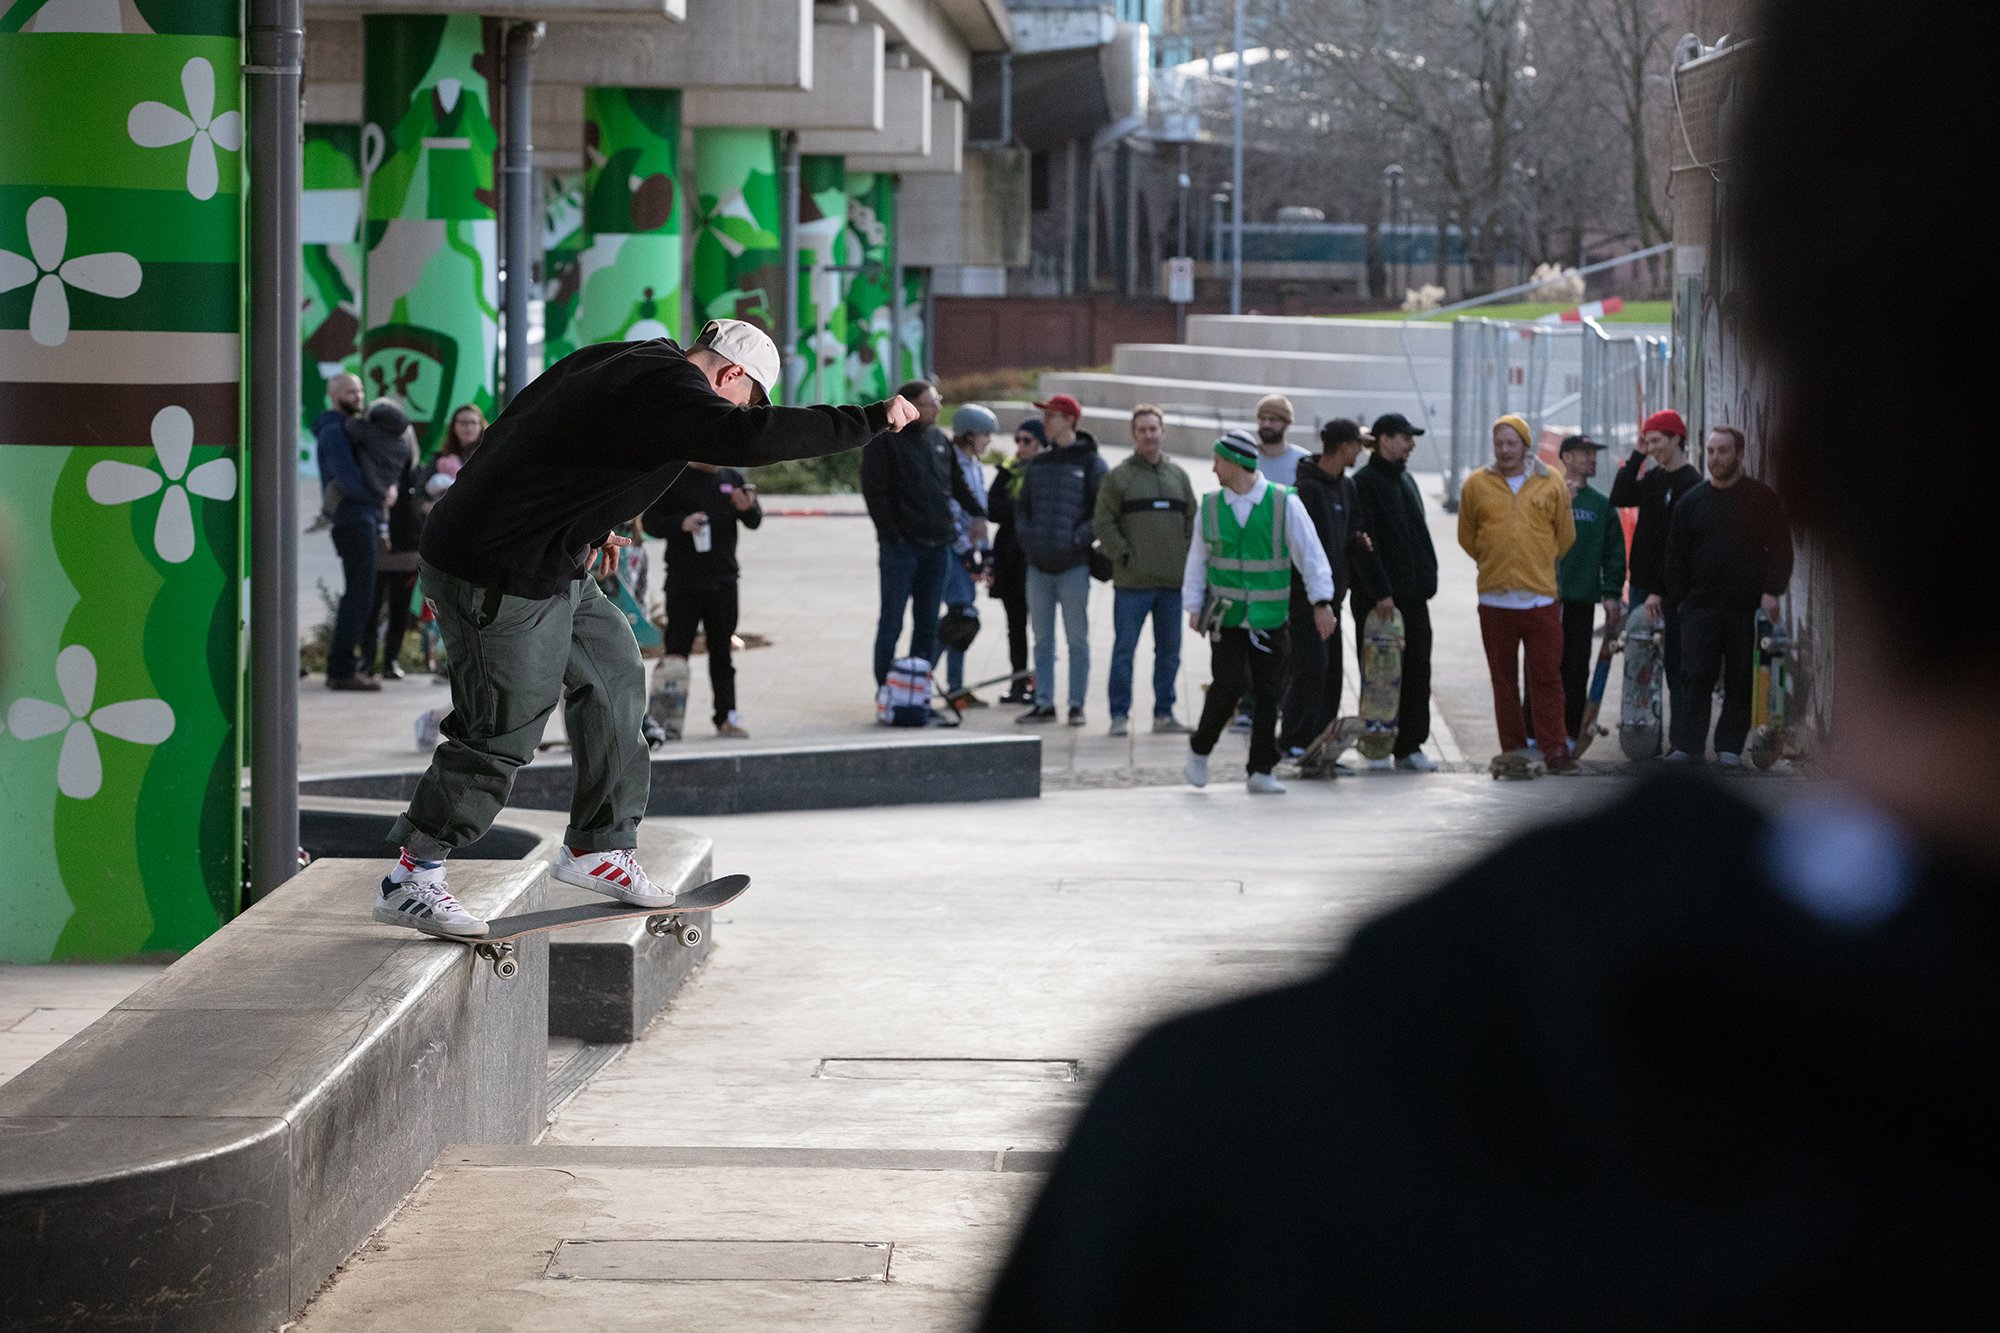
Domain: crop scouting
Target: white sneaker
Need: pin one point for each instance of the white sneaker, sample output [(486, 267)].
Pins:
[(1728, 760), (1197, 769), (413, 895), (1119, 727), (1263, 784), (1418, 762), (1677, 757), (614, 873), (1382, 765)]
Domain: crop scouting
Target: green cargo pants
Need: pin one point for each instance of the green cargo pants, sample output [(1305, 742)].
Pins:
[(511, 659)]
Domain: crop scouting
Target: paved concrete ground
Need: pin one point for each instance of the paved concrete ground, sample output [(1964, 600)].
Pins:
[(907, 1009), (43, 1007)]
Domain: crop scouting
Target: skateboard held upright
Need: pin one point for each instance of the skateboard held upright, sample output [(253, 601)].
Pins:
[(667, 708), (1771, 695), (1639, 713), (1594, 699), (1381, 683)]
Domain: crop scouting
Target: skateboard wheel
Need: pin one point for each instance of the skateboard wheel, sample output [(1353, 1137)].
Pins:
[(505, 968), (661, 926), (690, 936)]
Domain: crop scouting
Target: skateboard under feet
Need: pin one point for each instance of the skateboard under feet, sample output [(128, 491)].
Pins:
[(496, 946)]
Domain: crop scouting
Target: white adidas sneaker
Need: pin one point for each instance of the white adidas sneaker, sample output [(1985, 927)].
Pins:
[(614, 873), (413, 895)]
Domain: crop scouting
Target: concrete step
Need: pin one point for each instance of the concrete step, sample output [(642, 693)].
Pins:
[(1189, 434), (1235, 403), (1304, 333), (1252, 366)]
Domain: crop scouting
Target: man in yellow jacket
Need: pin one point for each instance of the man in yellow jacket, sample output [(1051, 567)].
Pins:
[(1514, 520)]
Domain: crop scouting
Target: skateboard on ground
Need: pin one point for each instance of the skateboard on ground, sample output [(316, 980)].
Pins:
[(1770, 700), (1517, 765), (1594, 700), (955, 700), (496, 946), (1381, 683), (1318, 760), (1639, 711), (667, 708)]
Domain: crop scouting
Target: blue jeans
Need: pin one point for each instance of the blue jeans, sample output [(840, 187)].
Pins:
[(912, 576), (355, 538), (1071, 590), (1129, 609), (958, 592)]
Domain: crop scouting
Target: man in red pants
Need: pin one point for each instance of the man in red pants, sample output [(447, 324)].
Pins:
[(1514, 519)]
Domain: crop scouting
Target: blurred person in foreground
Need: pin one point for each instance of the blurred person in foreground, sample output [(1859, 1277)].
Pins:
[(1733, 1083)]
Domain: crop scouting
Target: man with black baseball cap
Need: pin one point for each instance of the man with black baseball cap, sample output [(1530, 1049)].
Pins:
[(1393, 510), (507, 556)]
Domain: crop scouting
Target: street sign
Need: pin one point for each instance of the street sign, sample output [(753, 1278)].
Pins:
[(1180, 281)]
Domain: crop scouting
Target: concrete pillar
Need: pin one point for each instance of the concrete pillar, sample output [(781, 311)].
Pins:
[(562, 271), (871, 215), (819, 370), (629, 269), (120, 481), (430, 311), (330, 270), (738, 255)]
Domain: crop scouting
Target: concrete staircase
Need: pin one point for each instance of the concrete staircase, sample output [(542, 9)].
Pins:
[(1329, 368)]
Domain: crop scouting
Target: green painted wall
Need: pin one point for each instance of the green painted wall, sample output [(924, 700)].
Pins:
[(738, 251), (630, 268), (871, 216), (430, 314), (916, 348), (330, 276), (818, 369), (120, 486), (562, 276)]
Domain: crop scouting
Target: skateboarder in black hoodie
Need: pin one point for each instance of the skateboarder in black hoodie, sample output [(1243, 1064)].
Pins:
[(1735, 1078), (507, 558)]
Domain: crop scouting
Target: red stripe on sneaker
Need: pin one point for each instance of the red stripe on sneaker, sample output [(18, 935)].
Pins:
[(602, 872)]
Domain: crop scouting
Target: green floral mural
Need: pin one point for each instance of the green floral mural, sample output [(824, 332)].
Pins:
[(817, 372), (120, 495), (738, 253), (871, 218), (630, 268), (562, 277), (430, 313), (330, 274)]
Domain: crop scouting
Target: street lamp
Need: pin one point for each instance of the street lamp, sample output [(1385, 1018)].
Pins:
[(1221, 201), (1393, 174), (1236, 169)]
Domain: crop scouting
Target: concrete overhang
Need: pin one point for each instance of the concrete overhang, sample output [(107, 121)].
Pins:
[(1041, 30), (947, 151), (567, 11), (906, 122), (723, 44), (943, 34), (849, 69)]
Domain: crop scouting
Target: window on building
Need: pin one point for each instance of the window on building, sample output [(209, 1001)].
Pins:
[(1038, 182)]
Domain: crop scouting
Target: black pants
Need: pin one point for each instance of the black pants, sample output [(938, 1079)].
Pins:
[(711, 608), (1715, 645), (1236, 662), (1012, 592), (388, 619), (1413, 712), (1314, 678), (355, 538), (1579, 618)]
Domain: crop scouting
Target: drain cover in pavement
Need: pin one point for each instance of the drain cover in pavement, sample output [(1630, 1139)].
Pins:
[(951, 1071), (722, 1260)]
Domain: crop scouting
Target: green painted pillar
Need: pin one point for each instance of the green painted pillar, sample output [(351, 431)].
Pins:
[(871, 217), (818, 370), (562, 248), (630, 269), (120, 484), (916, 349), (739, 263), (430, 310), (330, 275)]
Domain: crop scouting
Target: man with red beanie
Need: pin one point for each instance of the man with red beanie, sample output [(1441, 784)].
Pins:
[(1654, 491)]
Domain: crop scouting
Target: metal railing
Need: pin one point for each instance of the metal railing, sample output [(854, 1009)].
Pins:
[(1569, 378)]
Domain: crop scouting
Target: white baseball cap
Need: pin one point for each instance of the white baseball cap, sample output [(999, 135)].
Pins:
[(746, 345)]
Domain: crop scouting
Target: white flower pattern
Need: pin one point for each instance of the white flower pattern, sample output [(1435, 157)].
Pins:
[(157, 125), (113, 483), (108, 274), (80, 770)]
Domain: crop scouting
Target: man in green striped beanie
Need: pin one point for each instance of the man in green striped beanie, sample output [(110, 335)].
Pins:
[(1238, 586)]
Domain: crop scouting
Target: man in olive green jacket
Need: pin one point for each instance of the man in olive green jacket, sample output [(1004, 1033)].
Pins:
[(1144, 520)]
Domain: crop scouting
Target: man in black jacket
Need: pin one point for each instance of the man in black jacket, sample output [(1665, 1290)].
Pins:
[(1731, 1083), (908, 481), (1312, 695), (507, 556), (1729, 556), (698, 515), (1393, 509), (1654, 491), (355, 508), (1010, 563), (1053, 520)]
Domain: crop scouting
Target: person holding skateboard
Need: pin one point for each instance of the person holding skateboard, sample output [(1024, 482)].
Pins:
[(1653, 491), (1393, 509), (1729, 556), (507, 560), (1237, 589), (699, 515)]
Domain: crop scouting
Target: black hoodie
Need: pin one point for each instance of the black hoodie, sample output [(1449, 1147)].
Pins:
[(1334, 505), (1394, 510)]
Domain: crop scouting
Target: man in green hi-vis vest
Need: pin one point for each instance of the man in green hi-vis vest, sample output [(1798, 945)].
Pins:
[(1238, 587)]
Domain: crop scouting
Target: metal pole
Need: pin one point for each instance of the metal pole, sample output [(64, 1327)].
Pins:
[(788, 228), (1186, 182), (1236, 169), (895, 367), (518, 196), (274, 47)]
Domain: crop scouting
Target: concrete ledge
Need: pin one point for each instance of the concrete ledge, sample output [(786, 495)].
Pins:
[(207, 1153), (830, 775)]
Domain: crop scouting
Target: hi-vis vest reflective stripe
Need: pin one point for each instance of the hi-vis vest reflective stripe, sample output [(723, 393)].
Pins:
[(1249, 563)]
